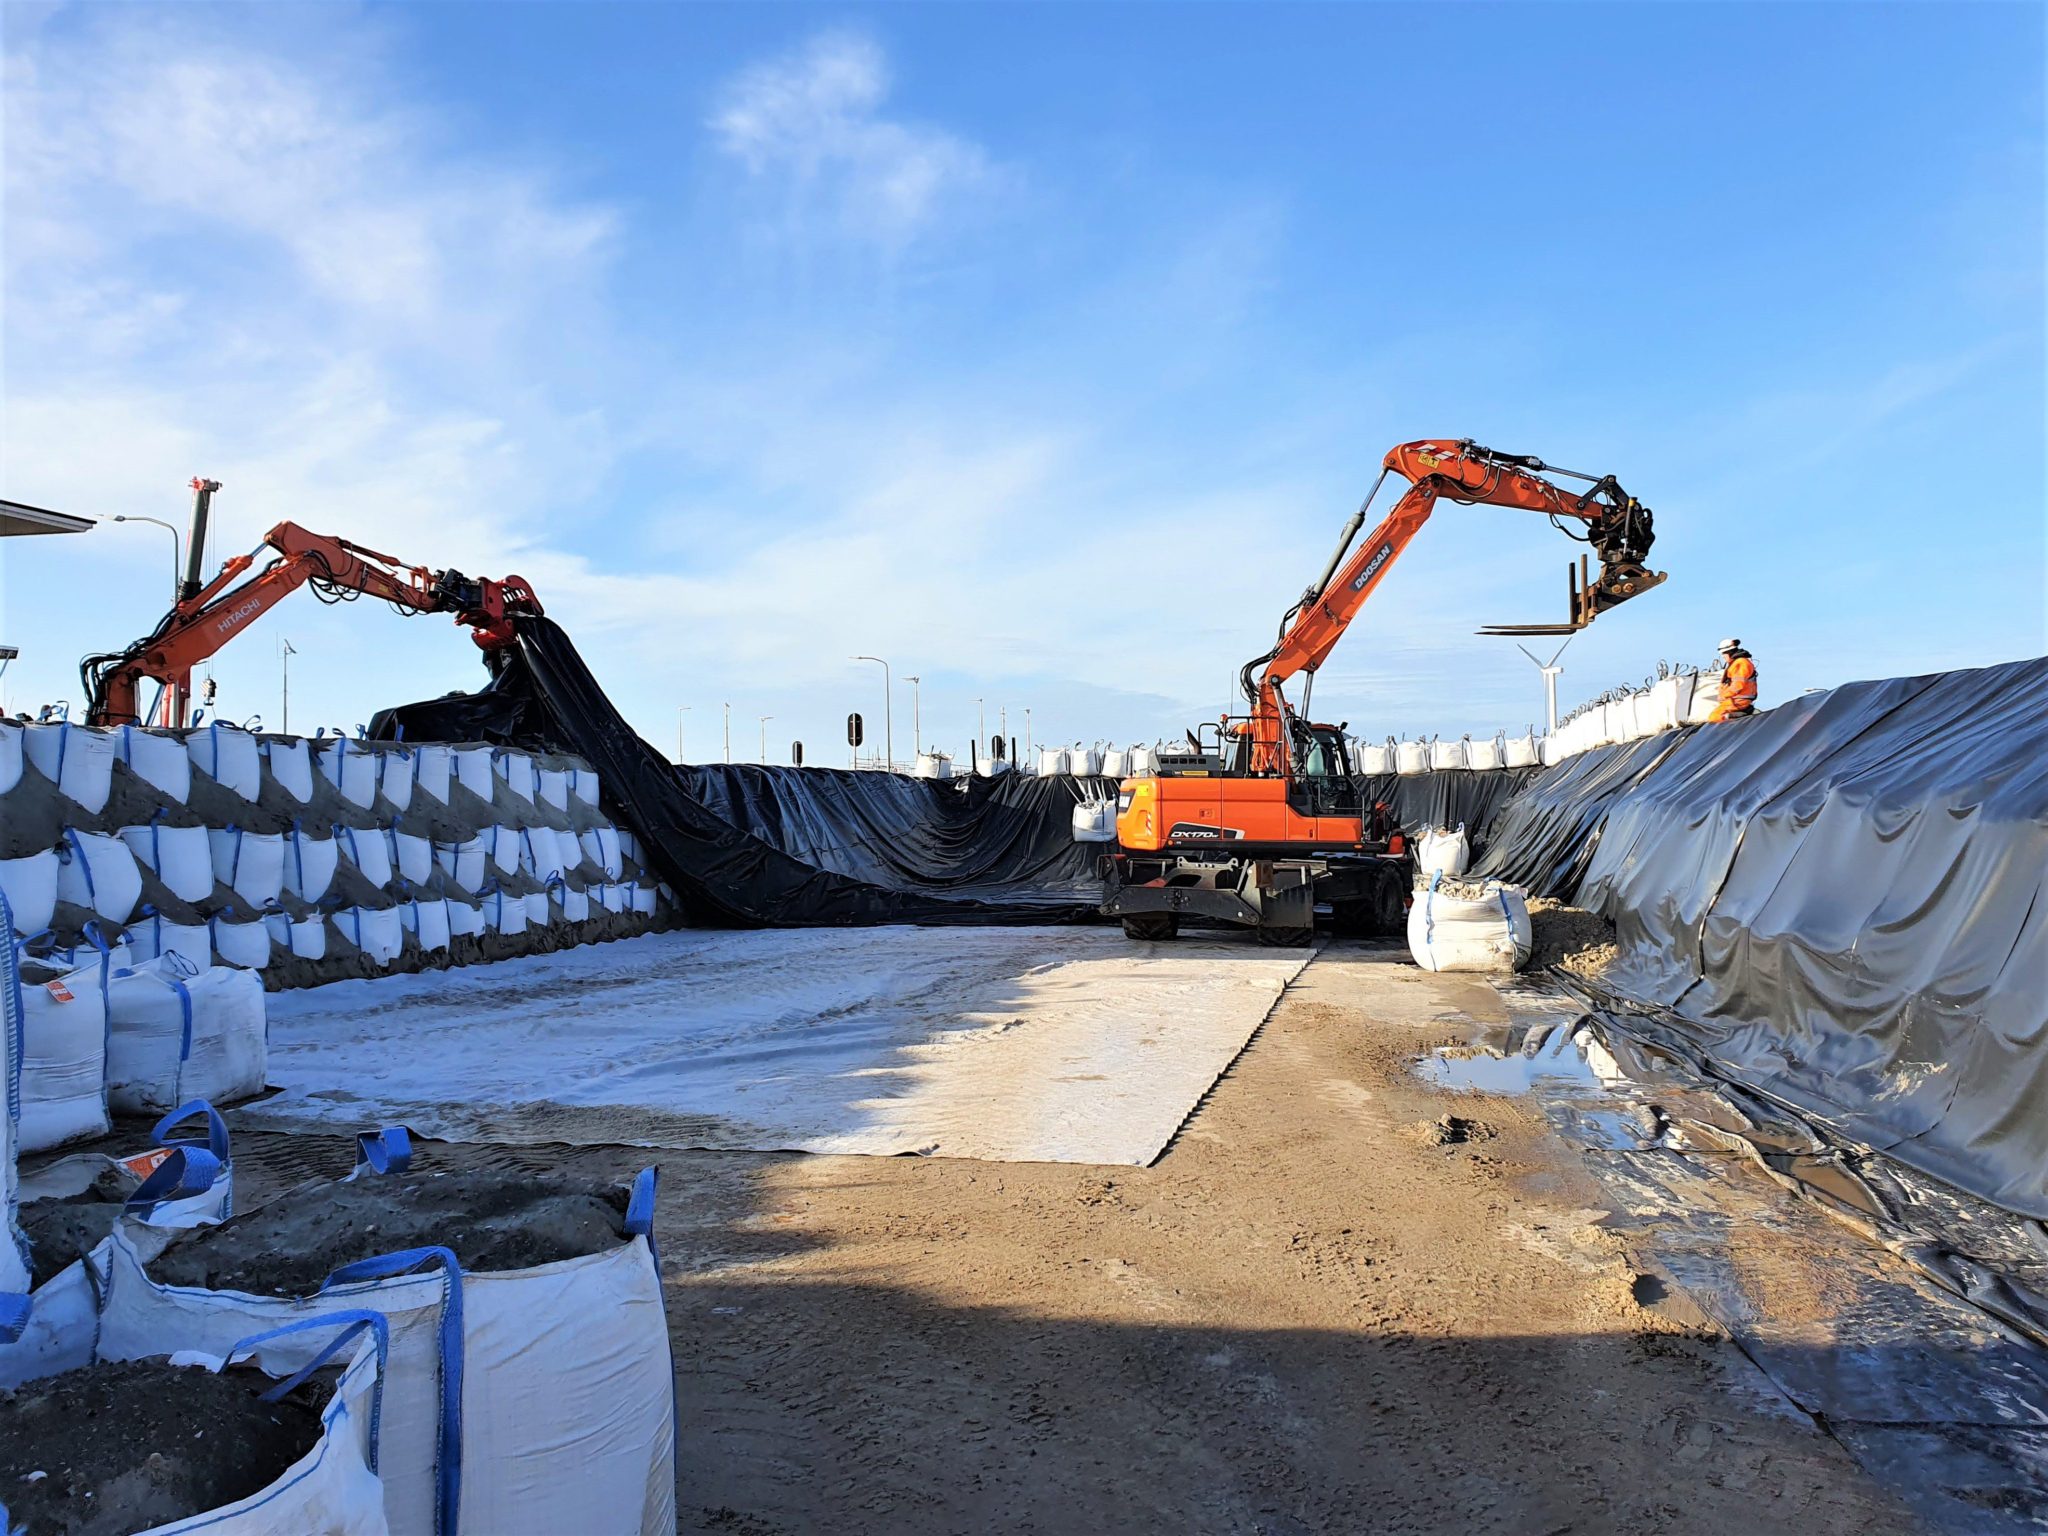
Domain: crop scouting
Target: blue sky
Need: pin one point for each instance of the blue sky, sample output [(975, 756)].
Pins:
[(1041, 350)]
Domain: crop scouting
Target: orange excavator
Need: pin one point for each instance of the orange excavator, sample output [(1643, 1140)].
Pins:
[(207, 616), (1257, 821)]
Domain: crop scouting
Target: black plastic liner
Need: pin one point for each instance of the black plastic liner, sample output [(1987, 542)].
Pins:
[(1448, 798), (1843, 900), (870, 848)]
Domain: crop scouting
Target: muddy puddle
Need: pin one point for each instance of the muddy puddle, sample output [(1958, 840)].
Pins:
[(1565, 1068)]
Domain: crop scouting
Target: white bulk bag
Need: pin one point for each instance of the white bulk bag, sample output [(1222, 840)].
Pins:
[(932, 765), (412, 857), (1083, 761), (290, 762), (464, 920), (629, 846), (1411, 757), (612, 897), (583, 784), (541, 854), (159, 760), (538, 914), (1550, 751), (64, 1060), (30, 886), (464, 863), (350, 769), (1488, 752), (1375, 759), (566, 1416), (11, 755), (1052, 760), (1143, 761), (368, 851), (1095, 821), (427, 922), (516, 769), (1446, 754), (309, 938), (1488, 933), (244, 944), (309, 863), (504, 914), (1521, 751), (181, 857), (395, 776), (152, 936), (505, 848), (643, 898), (473, 770), (78, 761), (249, 863), (575, 904), (601, 846), (99, 872), (230, 756), (432, 767), (1441, 851), (380, 935), (175, 1033), (1706, 698), (1116, 763), (554, 787), (1663, 708)]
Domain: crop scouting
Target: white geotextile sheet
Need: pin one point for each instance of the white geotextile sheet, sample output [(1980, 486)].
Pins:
[(1023, 1044)]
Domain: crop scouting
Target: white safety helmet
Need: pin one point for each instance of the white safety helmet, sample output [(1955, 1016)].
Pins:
[(1730, 645)]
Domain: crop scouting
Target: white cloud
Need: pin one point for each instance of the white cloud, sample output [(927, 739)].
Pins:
[(814, 119)]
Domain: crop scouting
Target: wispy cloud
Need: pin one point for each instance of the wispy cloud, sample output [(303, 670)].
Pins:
[(813, 123)]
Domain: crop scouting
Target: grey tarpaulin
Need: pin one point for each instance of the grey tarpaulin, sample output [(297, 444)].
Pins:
[(1844, 899)]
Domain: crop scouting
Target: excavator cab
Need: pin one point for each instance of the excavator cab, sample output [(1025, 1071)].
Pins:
[(1319, 780)]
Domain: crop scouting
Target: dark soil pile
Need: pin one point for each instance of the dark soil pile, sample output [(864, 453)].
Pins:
[(493, 1221), (126, 1446), (59, 1231)]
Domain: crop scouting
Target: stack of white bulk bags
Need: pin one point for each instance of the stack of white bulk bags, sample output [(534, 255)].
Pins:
[(78, 761)]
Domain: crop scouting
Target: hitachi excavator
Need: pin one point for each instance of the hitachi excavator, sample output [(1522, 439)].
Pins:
[(1257, 821), (208, 616)]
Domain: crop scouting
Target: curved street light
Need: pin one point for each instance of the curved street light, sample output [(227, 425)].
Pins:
[(888, 714), (177, 547)]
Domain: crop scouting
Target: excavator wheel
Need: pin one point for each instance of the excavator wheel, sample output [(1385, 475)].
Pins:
[(1286, 938), (1391, 903), (1151, 927)]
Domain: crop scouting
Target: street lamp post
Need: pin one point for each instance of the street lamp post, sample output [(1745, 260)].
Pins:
[(177, 546), (1027, 731), (888, 714), (980, 732), (681, 710), (764, 736), (728, 731), (916, 720)]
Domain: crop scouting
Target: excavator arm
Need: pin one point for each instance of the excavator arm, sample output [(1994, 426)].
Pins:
[(1617, 526), (337, 569)]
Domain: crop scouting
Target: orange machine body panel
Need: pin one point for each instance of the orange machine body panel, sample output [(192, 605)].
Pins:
[(1192, 811)]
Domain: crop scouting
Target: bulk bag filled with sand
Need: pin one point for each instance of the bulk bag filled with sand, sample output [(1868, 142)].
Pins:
[(1458, 926), (176, 1032)]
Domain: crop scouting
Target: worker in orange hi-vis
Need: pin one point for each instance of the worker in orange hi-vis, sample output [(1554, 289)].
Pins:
[(1738, 683)]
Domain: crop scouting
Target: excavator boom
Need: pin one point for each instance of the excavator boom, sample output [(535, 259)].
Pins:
[(337, 569)]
